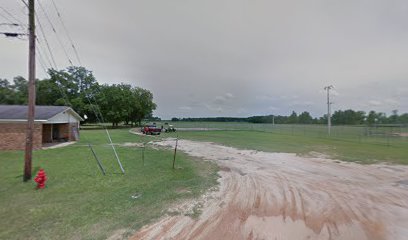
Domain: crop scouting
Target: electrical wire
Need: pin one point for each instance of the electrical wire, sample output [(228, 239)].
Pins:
[(6, 18), (26, 4), (43, 65), (40, 49), (46, 41), (51, 60), (66, 32), (96, 110), (12, 16), (9, 24), (55, 32)]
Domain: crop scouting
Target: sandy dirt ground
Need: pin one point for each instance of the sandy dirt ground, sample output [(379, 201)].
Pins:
[(283, 196)]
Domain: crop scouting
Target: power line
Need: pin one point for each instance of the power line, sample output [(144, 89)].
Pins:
[(67, 33), (42, 62), (26, 4), (72, 44), (53, 64), (10, 24), (52, 56), (45, 40), (96, 110), (55, 31), (12, 16), (40, 48), (32, 40), (6, 18), (44, 67)]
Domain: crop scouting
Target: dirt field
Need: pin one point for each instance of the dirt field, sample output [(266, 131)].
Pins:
[(284, 196)]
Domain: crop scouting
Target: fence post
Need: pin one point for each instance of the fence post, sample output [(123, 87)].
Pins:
[(175, 151), (143, 150)]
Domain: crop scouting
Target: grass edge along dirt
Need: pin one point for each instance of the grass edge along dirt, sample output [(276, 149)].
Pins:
[(339, 149), (80, 203)]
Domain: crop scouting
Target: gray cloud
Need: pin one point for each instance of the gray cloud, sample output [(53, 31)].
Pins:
[(239, 58)]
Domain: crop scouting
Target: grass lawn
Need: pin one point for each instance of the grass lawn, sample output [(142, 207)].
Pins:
[(80, 203), (343, 149)]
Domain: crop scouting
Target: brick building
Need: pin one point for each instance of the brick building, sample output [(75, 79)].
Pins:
[(52, 124)]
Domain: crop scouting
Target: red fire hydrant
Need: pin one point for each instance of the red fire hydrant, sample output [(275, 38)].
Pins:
[(40, 179)]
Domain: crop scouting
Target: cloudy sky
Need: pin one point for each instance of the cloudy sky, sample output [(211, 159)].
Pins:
[(233, 57)]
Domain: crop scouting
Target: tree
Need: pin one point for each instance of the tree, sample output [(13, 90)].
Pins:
[(20, 89), (305, 118), (403, 118), (6, 94), (112, 103), (394, 117), (48, 93), (76, 87), (373, 117), (349, 117), (293, 118), (144, 105), (122, 103)]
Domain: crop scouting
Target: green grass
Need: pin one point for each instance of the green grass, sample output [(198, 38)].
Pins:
[(344, 149), (80, 203)]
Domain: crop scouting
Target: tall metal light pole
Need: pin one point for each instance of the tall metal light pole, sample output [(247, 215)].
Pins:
[(327, 88), (31, 93)]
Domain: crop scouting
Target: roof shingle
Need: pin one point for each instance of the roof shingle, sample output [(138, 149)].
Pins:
[(19, 112)]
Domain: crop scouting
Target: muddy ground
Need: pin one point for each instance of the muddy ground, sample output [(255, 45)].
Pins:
[(283, 196)]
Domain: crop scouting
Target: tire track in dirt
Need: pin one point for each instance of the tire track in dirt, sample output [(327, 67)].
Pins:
[(283, 196)]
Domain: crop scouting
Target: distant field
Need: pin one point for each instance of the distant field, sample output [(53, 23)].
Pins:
[(387, 135), (350, 143)]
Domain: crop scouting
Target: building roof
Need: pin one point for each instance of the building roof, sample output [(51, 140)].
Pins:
[(42, 113)]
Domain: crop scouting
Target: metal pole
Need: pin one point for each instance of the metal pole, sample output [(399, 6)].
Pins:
[(143, 150), (31, 93), (114, 150), (175, 151), (328, 111), (327, 88), (97, 159)]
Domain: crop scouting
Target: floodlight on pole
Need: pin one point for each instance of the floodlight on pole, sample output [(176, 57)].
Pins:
[(327, 88)]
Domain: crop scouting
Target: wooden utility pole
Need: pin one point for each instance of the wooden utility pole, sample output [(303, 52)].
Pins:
[(31, 92)]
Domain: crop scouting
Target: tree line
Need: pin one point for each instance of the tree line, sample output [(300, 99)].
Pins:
[(77, 87), (339, 117)]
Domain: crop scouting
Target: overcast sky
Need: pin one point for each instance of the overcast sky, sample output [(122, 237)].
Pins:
[(233, 57)]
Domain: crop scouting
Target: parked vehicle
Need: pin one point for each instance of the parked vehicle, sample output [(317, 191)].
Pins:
[(169, 128), (151, 129)]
